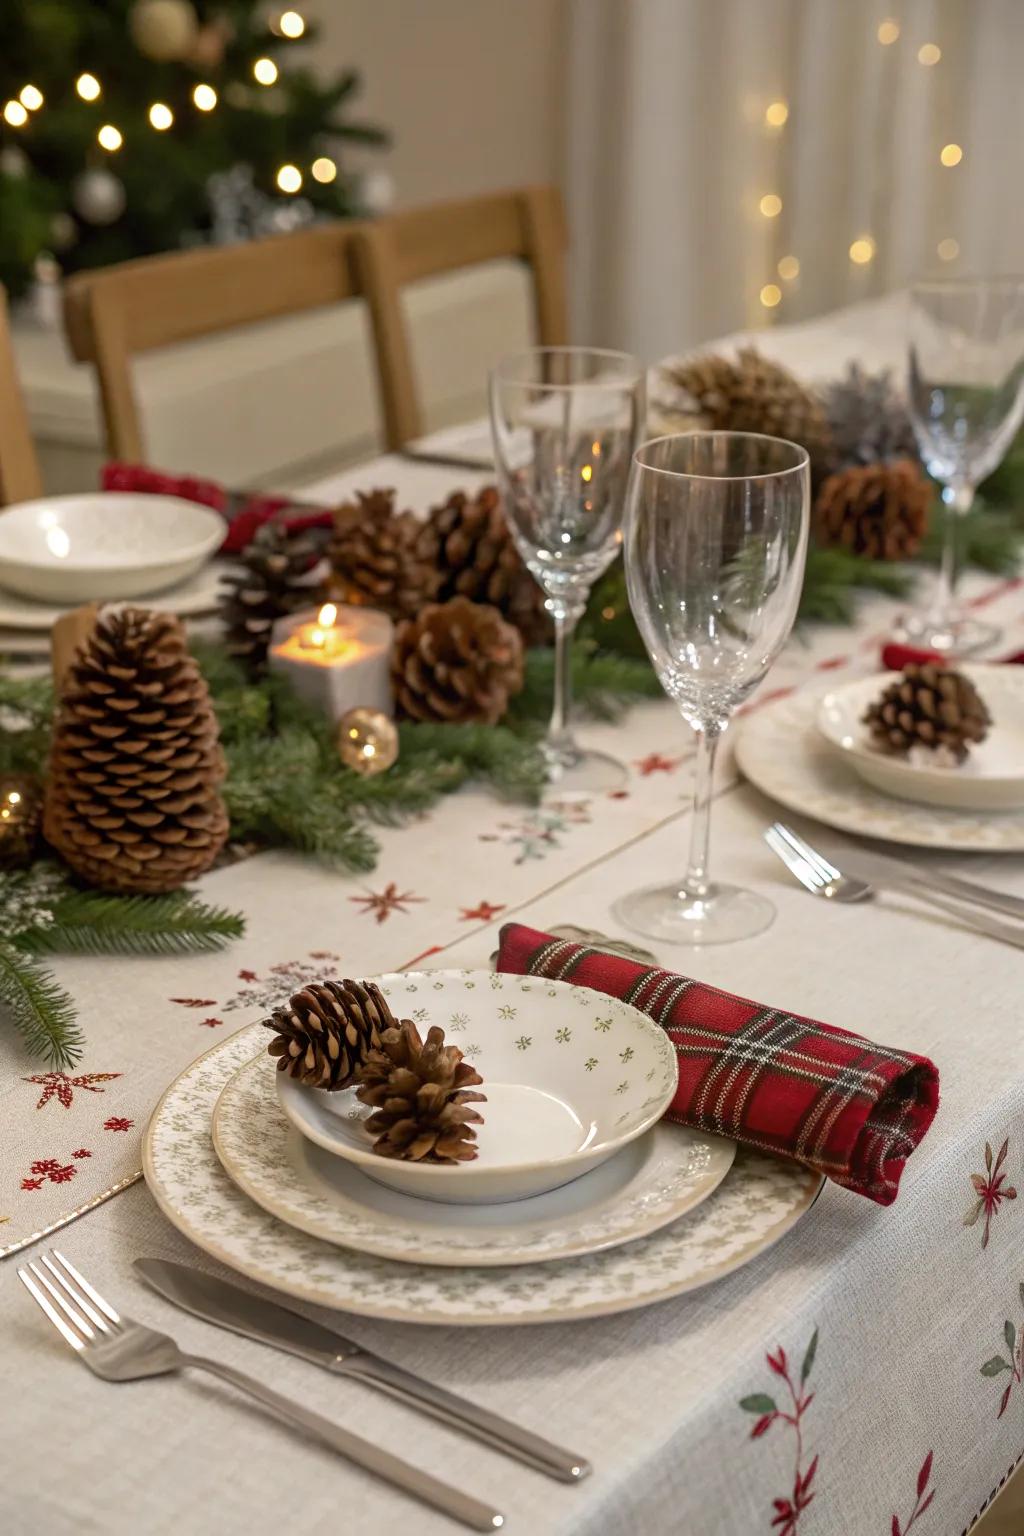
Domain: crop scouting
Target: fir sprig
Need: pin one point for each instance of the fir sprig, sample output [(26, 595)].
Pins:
[(92, 923), (42, 1011)]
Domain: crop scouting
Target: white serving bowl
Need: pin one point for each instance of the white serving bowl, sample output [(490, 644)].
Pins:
[(992, 777), (108, 546), (570, 1076)]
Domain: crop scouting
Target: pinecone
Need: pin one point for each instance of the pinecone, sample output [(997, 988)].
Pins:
[(753, 394), (267, 588), (868, 419), (419, 1093), (878, 510), (468, 541), (374, 558), (132, 799), (457, 661), (930, 706), (324, 1035)]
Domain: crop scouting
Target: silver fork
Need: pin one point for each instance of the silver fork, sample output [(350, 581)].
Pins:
[(823, 878), (118, 1349)]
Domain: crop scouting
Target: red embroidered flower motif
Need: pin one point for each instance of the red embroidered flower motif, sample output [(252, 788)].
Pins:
[(1014, 1364), (787, 1512), (922, 1501), (48, 1168), (194, 1002), (383, 903), (654, 762), (60, 1086), (116, 1123), (991, 1189), (247, 975), (482, 912), (210, 1023), (82, 1152), (323, 954)]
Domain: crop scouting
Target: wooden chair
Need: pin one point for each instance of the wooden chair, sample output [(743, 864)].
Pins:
[(404, 247), (19, 468), (138, 306)]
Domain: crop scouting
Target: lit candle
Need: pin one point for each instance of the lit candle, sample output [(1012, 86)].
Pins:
[(337, 658)]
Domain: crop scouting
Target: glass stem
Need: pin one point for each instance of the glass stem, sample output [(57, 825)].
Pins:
[(958, 499), (700, 832), (559, 732)]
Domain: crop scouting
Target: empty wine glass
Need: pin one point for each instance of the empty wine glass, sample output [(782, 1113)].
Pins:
[(966, 392), (716, 539), (565, 422)]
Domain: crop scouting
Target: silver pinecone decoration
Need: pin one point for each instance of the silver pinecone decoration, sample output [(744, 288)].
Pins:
[(868, 418)]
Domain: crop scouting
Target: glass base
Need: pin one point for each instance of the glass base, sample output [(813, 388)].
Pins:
[(572, 771), (669, 914), (952, 635)]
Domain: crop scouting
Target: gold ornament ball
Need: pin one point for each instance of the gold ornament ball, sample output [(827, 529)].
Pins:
[(163, 29), (367, 741), (21, 812)]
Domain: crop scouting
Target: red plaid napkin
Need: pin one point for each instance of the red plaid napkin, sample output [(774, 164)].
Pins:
[(895, 657), (771, 1080), (244, 512)]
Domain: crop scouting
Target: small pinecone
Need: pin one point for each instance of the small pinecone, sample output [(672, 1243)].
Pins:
[(132, 800), (375, 562), (878, 510), (753, 394), (267, 588), (457, 661), (868, 418), (930, 706), (324, 1035), (419, 1093), (468, 540)]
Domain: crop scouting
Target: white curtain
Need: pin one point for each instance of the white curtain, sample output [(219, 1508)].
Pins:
[(670, 153)]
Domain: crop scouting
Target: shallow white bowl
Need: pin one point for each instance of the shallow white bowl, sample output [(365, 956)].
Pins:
[(991, 779), (109, 546), (570, 1076)]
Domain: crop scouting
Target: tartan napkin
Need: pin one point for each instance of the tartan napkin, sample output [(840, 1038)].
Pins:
[(769, 1079), (244, 512), (895, 657)]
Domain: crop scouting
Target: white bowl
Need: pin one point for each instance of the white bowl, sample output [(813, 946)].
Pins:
[(570, 1076), (109, 546), (991, 778)]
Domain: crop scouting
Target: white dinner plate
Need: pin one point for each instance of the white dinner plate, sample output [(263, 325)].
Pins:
[(199, 594), (650, 1182), (990, 779), (758, 1201), (781, 751)]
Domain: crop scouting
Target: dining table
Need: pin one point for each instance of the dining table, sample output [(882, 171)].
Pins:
[(840, 1384)]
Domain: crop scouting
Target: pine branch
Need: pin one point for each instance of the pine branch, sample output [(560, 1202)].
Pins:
[(40, 1009), (604, 684), (90, 923), (26, 708), (987, 539), (833, 578)]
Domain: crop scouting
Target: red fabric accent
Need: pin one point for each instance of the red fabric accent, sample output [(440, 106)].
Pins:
[(895, 657), (244, 513), (772, 1080)]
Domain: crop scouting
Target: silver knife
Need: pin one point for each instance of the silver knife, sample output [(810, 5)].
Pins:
[(232, 1306)]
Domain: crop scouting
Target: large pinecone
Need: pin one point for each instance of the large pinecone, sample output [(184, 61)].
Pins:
[(929, 706), (268, 587), (753, 394), (868, 418), (878, 510), (420, 1093), (132, 798), (468, 540), (374, 557), (457, 661), (327, 1030)]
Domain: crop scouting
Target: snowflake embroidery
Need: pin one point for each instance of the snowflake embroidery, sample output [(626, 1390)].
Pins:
[(537, 835), (563, 1035), (524, 1042), (991, 1189), (483, 912), (60, 1086), (117, 1123), (458, 1020), (623, 1086), (48, 1168), (421, 1015), (381, 904), (506, 1011), (627, 1054), (603, 1024), (471, 1050), (590, 1063)]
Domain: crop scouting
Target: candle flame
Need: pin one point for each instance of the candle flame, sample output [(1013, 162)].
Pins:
[(586, 473), (327, 616)]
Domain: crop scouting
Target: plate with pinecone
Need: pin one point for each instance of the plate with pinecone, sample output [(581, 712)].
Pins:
[(940, 735)]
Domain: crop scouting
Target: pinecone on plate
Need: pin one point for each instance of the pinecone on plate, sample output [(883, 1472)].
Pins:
[(468, 541), (457, 661), (868, 418), (375, 562), (420, 1092), (325, 1033), (132, 797), (275, 566), (929, 706), (877, 510)]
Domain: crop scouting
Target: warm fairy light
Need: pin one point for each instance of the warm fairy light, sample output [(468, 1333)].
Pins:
[(291, 24), (265, 71), (88, 87), (776, 113), (587, 473), (789, 267), (948, 249), (951, 154), (205, 97), (888, 31), (771, 205), (771, 294), (289, 178), (31, 96), (15, 115), (324, 169), (160, 116), (13, 797), (861, 251), (595, 449), (110, 137), (929, 53)]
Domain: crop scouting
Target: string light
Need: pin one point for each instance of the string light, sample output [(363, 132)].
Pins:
[(205, 97), (862, 250), (789, 267), (289, 178), (109, 137), (771, 294), (929, 53), (770, 205), (324, 169), (951, 154), (291, 24), (160, 116), (776, 113), (88, 87), (948, 249), (15, 115), (265, 71), (31, 96), (888, 31)]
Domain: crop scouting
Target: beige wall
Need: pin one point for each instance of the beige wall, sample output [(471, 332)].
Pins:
[(471, 89)]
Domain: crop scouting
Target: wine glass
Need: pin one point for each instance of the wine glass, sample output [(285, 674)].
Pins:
[(565, 422), (966, 393), (716, 540)]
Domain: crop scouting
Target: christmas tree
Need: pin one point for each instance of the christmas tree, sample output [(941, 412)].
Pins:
[(134, 126)]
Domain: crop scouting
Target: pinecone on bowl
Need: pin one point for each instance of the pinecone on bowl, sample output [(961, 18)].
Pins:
[(457, 661), (929, 706), (468, 541), (420, 1092), (323, 1036), (877, 510), (269, 586), (374, 558)]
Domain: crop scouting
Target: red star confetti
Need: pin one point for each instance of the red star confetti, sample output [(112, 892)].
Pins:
[(210, 1023), (654, 762), (60, 1086), (116, 1123), (247, 975), (382, 903), (482, 912)]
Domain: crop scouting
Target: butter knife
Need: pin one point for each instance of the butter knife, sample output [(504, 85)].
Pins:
[(242, 1311)]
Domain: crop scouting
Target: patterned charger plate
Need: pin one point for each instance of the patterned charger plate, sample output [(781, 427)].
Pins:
[(647, 1184), (758, 1201)]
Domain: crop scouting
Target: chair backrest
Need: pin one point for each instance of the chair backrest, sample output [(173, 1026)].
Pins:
[(528, 223), (19, 468), (137, 306)]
